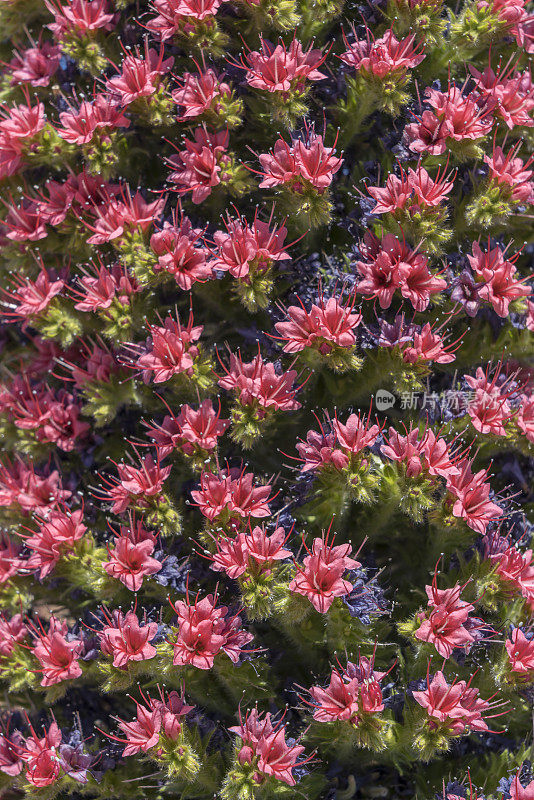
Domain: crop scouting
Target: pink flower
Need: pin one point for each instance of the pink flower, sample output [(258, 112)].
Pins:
[(520, 792), (30, 298), (455, 707), (24, 222), (248, 550), (511, 174), (80, 125), (443, 624), (136, 485), (157, 717), (231, 494), (305, 164), (489, 408), (355, 434), (472, 492), (43, 766), (457, 117), (57, 535), (98, 291), (170, 350), (180, 253), (11, 762), (244, 249), (387, 56), (181, 17), (320, 579), (22, 123), (56, 654), (140, 76), (35, 65), (515, 571), (197, 168), (124, 638), (79, 17), (260, 385), (325, 326), (520, 654), (524, 418), (281, 69), (12, 632), (265, 746), (391, 265), (351, 694), (204, 631), (497, 278), (130, 560), (193, 431), (411, 192), (200, 93), (428, 345), (506, 94)]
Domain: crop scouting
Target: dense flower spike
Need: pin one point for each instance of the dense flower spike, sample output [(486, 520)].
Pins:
[(266, 274)]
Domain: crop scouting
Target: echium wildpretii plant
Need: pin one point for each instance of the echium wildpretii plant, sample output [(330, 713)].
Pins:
[(266, 399)]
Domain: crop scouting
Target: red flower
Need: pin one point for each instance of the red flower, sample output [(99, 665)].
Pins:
[(170, 350), (204, 631), (124, 638), (387, 56), (261, 385), (516, 571), (130, 560), (320, 579), (305, 164), (56, 654)]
